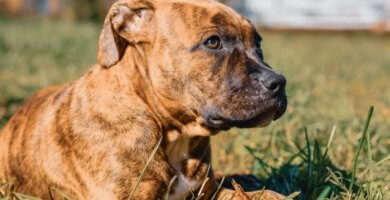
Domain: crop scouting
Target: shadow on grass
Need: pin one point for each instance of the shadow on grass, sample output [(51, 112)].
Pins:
[(290, 178), (314, 175)]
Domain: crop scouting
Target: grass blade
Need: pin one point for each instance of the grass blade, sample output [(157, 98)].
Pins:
[(292, 196), (25, 197), (66, 197), (376, 164), (261, 194), (204, 182), (1, 192), (324, 193), (332, 133), (169, 187), (331, 137), (369, 165), (10, 190), (369, 116), (145, 167), (218, 188), (309, 161)]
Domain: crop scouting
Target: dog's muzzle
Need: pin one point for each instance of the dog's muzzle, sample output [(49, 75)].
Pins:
[(265, 102)]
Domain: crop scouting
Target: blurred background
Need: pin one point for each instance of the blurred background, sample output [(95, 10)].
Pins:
[(335, 55), (275, 14)]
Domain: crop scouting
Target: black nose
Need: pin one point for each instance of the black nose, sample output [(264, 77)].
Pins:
[(273, 82)]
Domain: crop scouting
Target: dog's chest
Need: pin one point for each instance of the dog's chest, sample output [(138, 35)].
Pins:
[(178, 152)]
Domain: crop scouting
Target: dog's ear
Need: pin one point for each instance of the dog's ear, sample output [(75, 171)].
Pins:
[(127, 22)]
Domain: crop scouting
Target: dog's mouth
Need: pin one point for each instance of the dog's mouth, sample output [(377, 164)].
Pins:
[(262, 118)]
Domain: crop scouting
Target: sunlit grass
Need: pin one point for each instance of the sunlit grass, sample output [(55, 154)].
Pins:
[(332, 80)]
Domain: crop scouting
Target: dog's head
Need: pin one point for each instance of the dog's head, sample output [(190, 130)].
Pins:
[(201, 55)]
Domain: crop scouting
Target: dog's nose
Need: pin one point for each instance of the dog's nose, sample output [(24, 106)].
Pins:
[(273, 82)]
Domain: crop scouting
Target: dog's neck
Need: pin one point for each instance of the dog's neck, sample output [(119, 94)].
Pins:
[(132, 77)]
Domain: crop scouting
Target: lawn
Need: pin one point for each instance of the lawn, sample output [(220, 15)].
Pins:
[(332, 80)]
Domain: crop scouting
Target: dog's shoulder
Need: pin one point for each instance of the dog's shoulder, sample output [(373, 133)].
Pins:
[(34, 106), (40, 98)]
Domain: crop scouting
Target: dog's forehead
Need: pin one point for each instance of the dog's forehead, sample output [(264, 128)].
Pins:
[(204, 9), (196, 16)]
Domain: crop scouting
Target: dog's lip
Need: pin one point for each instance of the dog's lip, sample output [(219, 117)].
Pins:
[(217, 121), (261, 119), (282, 107)]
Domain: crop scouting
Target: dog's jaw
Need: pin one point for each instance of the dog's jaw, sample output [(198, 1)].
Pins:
[(193, 129)]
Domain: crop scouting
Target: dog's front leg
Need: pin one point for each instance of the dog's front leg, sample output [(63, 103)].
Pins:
[(197, 168), (153, 183)]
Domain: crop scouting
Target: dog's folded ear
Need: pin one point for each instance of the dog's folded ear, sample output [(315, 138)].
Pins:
[(127, 22)]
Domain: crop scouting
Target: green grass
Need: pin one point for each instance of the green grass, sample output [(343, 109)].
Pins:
[(332, 78)]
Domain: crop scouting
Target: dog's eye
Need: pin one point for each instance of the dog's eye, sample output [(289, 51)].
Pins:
[(213, 42)]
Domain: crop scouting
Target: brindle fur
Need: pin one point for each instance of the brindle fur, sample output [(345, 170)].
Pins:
[(91, 138)]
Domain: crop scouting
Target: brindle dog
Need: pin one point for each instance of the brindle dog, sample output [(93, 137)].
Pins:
[(180, 70)]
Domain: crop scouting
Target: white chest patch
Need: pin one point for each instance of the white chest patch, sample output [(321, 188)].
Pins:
[(184, 187), (177, 152)]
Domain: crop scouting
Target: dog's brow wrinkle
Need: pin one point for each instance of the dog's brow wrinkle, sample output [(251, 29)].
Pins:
[(195, 12), (218, 19), (179, 8), (204, 13), (195, 47), (230, 37)]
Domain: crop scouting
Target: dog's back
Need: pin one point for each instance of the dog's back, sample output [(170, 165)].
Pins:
[(21, 146)]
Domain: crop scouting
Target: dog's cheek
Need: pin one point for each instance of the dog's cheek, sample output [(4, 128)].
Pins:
[(165, 74)]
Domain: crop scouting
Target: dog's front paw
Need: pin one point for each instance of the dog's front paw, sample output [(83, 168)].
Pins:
[(265, 195), (258, 195), (239, 194)]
